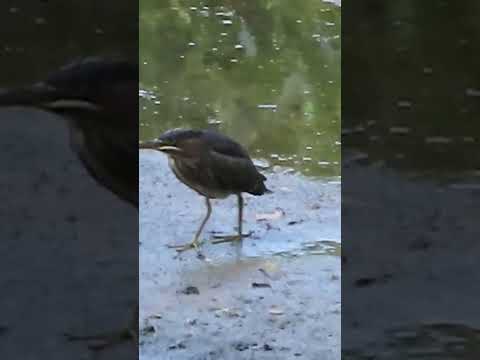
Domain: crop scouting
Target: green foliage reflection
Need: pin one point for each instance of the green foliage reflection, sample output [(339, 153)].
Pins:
[(214, 64)]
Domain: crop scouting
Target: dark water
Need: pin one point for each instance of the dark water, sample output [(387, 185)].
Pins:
[(37, 37), (413, 85), (266, 73), (64, 237)]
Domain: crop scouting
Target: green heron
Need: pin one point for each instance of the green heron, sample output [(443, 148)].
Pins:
[(99, 99), (214, 166)]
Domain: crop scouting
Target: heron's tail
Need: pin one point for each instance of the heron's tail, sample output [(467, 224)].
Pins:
[(260, 189)]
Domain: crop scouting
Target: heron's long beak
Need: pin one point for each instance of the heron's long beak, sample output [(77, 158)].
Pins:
[(160, 146), (170, 149), (45, 97)]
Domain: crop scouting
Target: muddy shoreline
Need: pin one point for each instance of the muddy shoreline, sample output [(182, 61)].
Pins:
[(280, 298)]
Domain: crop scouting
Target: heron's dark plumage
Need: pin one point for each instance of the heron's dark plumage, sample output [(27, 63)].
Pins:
[(213, 164), (216, 141), (92, 78)]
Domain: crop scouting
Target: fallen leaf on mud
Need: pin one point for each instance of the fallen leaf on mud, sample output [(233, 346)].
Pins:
[(275, 311), (148, 330), (275, 215)]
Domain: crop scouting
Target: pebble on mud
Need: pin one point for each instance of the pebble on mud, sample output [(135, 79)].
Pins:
[(241, 346), (148, 330), (267, 347), (189, 290), (177, 346), (261, 285)]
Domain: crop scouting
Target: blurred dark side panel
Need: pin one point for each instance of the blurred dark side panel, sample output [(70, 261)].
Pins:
[(410, 179), (68, 245)]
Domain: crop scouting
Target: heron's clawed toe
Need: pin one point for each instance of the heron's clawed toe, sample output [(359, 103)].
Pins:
[(181, 248), (219, 239)]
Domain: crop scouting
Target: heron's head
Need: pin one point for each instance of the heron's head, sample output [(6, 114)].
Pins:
[(91, 85), (176, 142)]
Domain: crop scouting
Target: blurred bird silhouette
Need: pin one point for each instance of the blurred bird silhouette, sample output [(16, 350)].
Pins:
[(99, 99)]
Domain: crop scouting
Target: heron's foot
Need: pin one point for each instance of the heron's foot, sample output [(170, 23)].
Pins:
[(220, 239), (102, 341), (195, 244)]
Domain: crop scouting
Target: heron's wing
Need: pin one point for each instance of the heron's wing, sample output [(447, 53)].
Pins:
[(225, 146), (235, 174)]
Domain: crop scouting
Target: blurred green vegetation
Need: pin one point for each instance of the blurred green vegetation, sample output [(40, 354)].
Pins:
[(210, 64)]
